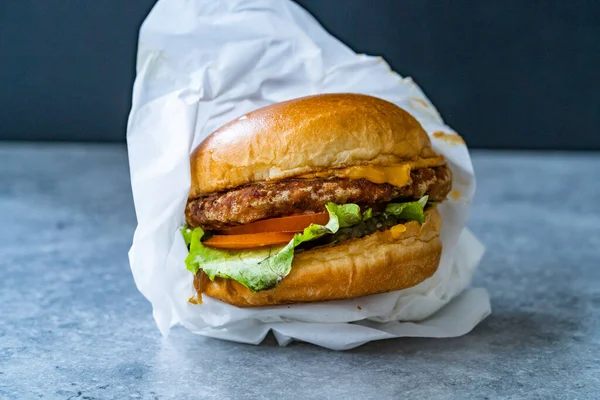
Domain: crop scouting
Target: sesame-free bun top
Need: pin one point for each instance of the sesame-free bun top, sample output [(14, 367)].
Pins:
[(304, 136)]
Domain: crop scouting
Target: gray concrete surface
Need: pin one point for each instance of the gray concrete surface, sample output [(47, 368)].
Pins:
[(73, 325)]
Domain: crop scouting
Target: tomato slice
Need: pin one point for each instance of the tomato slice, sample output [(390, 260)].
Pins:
[(248, 241), (293, 223)]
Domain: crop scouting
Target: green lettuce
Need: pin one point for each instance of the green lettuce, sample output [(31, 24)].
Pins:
[(411, 211), (347, 214), (263, 268), (367, 214)]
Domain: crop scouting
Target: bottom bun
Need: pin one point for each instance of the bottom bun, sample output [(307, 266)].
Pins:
[(398, 258)]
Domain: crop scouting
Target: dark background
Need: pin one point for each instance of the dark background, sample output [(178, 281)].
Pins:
[(505, 74)]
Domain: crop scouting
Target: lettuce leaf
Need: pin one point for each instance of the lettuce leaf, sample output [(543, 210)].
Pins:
[(347, 214), (411, 211), (257, 269), (261, 269), (368, 214)]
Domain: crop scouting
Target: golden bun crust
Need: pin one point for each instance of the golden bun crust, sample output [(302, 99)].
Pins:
[(381, 262), (303, 136)]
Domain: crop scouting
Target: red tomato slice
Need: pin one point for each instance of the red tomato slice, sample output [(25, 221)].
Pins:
[(293, 223), (248, 241)]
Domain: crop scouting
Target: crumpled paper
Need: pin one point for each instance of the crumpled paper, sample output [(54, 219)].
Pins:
[(202, 63)]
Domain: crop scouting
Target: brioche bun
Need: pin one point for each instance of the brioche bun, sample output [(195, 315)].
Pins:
[(306, 135), (381, 262)]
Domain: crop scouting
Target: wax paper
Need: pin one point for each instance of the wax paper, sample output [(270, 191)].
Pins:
[(203, 63)]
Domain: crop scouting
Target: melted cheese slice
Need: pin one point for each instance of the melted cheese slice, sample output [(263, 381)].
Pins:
[(394, 174)]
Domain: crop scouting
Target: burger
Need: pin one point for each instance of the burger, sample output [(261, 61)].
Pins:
[(319, 198)]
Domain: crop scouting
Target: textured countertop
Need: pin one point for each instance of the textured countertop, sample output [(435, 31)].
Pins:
[(73, 325)]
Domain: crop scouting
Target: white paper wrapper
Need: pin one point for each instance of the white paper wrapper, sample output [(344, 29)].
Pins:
[(203, 63)]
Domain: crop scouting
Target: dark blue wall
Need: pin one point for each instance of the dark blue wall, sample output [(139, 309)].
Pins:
[(67, 67), (516, 74), (506, 74)]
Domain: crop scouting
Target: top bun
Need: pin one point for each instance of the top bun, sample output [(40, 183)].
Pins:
[(306, 135)]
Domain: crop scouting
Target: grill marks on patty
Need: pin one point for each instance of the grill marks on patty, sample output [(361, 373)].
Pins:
[(298, 196)]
